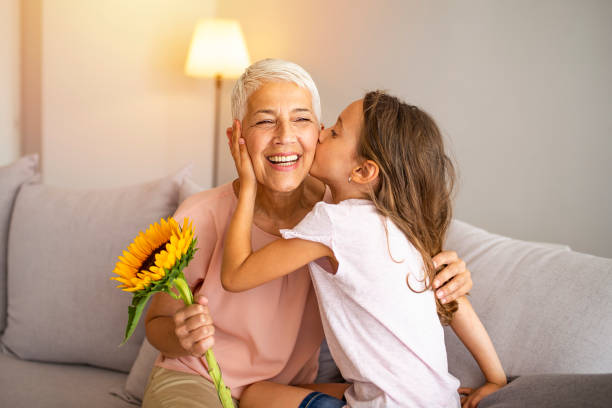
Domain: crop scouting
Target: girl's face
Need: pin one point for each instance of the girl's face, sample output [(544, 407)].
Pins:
[(281, 131), (336, 153)]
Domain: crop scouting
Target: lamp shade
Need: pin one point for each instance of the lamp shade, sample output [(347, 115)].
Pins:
[(217, 48)]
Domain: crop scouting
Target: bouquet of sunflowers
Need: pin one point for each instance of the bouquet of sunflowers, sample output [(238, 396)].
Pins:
[(153, 263)]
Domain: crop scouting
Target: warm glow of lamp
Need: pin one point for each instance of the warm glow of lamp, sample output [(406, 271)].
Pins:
[(217, 50)]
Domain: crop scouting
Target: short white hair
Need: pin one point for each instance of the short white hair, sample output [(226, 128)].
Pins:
[(271, 70)]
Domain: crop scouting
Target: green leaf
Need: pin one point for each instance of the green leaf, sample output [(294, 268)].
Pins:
[(134, 312)]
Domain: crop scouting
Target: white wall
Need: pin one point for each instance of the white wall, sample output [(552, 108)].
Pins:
[(117, 107), (9, 81), (522, 89)]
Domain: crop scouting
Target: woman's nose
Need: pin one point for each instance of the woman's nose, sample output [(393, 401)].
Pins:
[(285, 134)]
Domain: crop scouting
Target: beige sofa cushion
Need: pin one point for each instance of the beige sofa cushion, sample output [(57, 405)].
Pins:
[(38, 385), (63, 247)]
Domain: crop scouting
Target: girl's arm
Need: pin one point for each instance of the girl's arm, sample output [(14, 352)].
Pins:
[(242, 269), (468, 327)]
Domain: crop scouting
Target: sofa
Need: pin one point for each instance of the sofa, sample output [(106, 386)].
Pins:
[(546, 307)]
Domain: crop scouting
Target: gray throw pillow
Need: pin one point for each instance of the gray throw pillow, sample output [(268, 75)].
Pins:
[(141, 369), (11, 179), (63, 247), (544, 307), (554, 391)]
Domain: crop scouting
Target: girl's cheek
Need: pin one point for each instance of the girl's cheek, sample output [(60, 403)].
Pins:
[(317, 149)]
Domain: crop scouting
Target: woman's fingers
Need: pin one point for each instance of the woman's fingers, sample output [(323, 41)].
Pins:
[(454, 280), (199, 348), (194, 327), (201, 334), (189, 311), (197, 321), (449, 279), (444, 258)]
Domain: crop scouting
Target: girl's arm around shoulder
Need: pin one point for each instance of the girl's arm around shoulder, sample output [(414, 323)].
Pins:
[(276, 259)]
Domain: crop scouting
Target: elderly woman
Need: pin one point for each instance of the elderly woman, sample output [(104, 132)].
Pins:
[(273, 332)]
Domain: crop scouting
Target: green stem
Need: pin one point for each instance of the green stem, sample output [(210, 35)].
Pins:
[(224, 393), (181, 285)]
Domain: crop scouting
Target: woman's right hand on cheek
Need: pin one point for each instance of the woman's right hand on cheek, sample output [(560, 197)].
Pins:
[(241, 157), (194, 328)]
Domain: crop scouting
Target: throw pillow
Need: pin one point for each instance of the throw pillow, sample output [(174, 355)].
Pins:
[(543, 307), (11, 179), (63, 247)]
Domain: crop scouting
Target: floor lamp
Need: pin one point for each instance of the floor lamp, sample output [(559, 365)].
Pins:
[(217, 51)]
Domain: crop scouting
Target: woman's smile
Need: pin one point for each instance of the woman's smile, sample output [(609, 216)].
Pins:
[(284, 161)]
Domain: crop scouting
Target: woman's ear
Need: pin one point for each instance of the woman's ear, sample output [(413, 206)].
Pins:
[(366, 173)]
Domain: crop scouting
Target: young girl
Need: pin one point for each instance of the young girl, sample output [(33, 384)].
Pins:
[(391, 184)]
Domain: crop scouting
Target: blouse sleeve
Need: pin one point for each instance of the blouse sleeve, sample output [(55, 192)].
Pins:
[(316, 226)]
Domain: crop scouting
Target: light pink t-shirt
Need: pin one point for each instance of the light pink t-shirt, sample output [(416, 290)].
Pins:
[(386, 339), (272, 332)]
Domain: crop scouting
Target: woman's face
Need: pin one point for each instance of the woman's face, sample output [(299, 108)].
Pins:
[(281, 133)]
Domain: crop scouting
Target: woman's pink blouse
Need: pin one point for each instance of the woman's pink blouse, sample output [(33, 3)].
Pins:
[(272, 332)]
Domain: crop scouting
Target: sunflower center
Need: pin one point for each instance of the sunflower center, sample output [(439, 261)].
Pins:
[(150, 261)]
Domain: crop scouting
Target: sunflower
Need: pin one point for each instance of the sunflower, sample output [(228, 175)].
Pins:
[(153, 263), (152, 254)]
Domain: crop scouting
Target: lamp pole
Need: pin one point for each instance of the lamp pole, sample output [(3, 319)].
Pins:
[(215, 173)]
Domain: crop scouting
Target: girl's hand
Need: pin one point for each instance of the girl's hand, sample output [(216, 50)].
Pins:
[(242, 160), (455, 280), (473, 397)]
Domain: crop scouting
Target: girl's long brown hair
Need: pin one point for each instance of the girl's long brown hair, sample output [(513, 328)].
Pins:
[(416, 177)]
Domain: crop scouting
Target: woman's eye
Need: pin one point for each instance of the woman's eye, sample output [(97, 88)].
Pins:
[(264, 122), (303, 120)]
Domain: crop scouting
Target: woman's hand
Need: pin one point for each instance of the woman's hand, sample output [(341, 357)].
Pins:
[(194, 328), (473, 397), (454, 280), (242, 160)]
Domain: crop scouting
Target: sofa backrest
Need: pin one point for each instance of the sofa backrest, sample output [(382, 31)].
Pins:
[(11, 179), (546, 308)]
